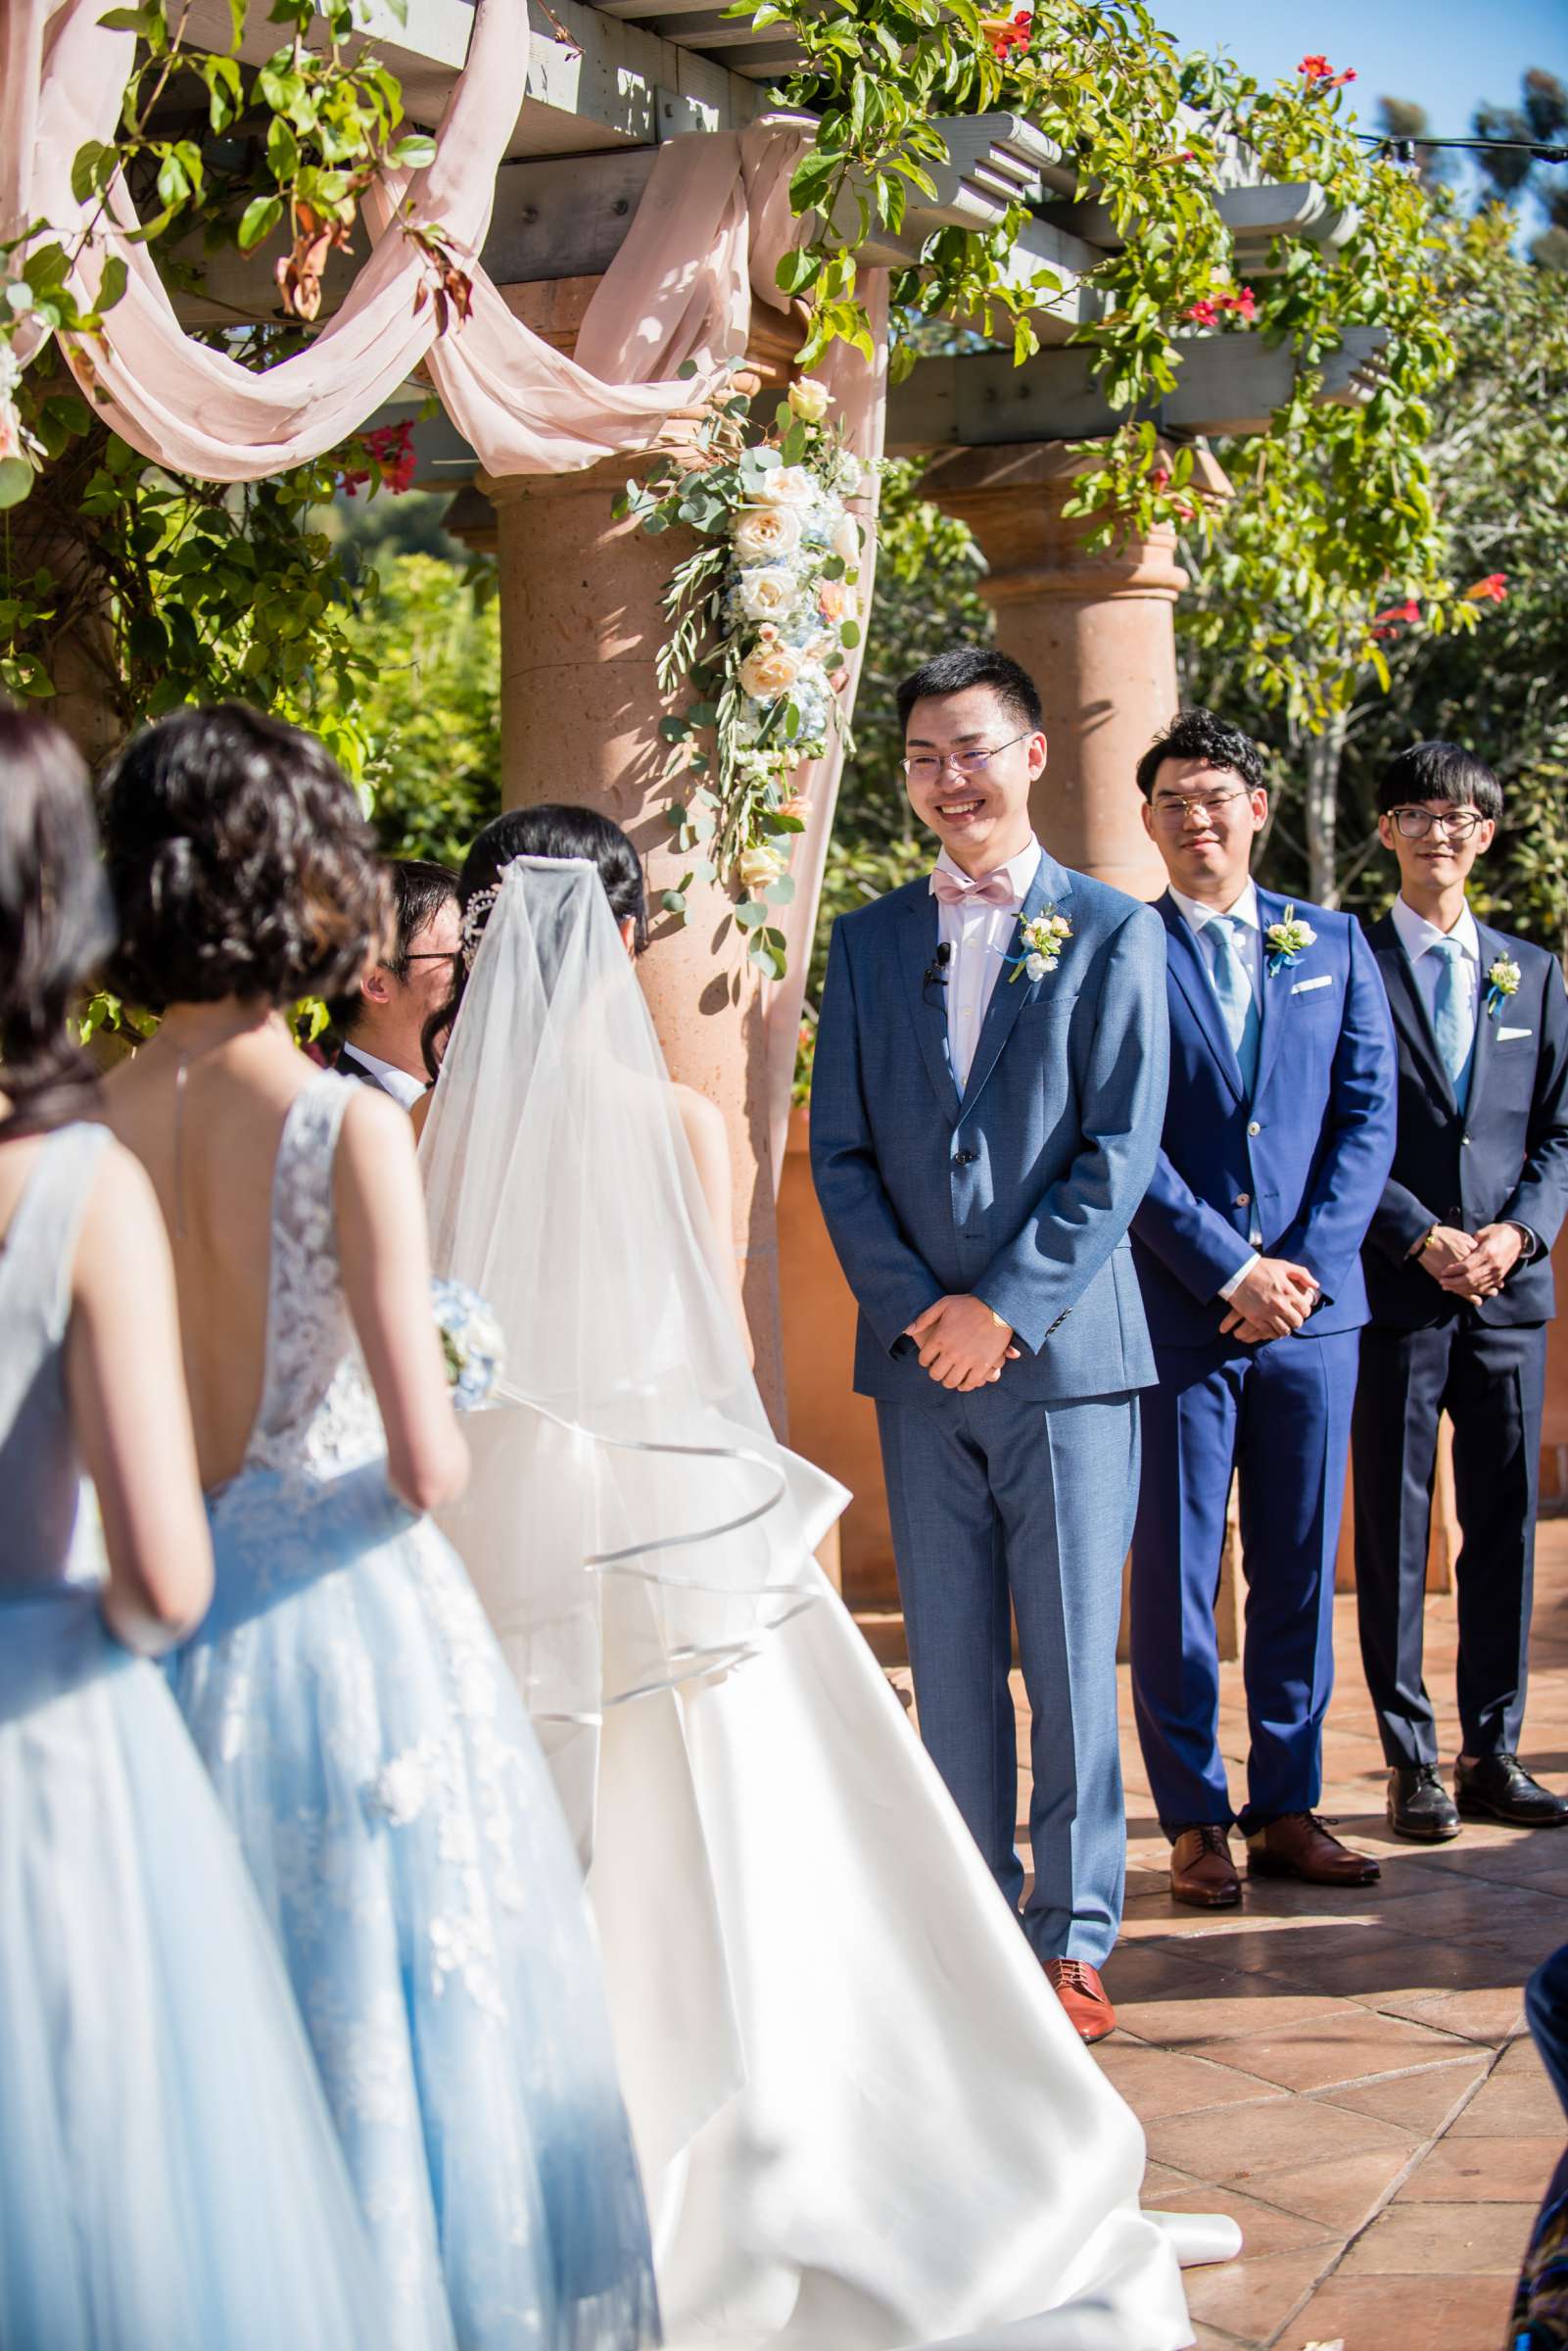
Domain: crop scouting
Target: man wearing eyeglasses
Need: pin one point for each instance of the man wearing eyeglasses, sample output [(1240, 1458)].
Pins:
[(1276, 1146), (989, 1085), (1458, 1271), (380, 1028)]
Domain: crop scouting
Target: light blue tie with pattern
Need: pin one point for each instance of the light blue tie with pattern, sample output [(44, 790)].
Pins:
[(1452, 1023), (1243, 1021)]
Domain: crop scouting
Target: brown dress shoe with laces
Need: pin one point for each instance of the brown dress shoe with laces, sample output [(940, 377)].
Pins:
[(1298, 1846), (1078, 1988), (1202, 1871)]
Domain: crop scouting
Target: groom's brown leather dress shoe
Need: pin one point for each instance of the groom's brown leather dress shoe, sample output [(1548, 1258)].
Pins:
[(1202, 1871), (1078, 1988), (1298, 1846)]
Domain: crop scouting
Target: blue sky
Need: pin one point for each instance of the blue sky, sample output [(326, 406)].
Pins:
[(1448, 55)]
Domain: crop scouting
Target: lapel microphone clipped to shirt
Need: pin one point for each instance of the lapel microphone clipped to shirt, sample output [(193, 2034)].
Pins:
[(935, 974)]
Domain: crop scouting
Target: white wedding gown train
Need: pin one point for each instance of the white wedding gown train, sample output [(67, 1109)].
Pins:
[(905, 2139)]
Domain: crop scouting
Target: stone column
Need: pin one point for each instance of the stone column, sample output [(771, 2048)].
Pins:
[(581, 626), (1094, 630)]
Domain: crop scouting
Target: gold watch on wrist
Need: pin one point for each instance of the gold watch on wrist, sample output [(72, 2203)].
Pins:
[(1427, 1239)]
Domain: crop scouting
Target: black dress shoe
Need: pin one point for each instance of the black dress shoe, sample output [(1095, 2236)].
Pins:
[(1420, 1807), (1499, 1788)]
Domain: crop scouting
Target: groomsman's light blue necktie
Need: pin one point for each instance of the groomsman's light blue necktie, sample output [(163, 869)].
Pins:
[(1243, 1021), (1453, 1016)]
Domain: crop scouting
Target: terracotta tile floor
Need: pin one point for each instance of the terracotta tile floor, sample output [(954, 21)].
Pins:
[(1348, 2074)]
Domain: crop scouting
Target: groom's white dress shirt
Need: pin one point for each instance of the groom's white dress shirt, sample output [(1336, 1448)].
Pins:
[(1249, 954), (403, 1089), (977, 937)]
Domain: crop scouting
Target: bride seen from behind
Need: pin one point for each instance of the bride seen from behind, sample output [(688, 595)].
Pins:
[(171, 2174), (343, 1690), (863, 2117)]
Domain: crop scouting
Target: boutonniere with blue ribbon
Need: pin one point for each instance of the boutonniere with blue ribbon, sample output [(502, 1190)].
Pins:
[(1286, 942), (1041, 942), (1503, 981)]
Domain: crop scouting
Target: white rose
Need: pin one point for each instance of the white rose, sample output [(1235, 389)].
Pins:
[(810, 399), (786, 486), (760, 867), (769, 672), (846, 540), (765, 534), (769, 592)]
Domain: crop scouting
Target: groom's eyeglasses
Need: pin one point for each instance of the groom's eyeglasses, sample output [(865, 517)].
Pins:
[(435, 956), (925, 767), (1414, 823)]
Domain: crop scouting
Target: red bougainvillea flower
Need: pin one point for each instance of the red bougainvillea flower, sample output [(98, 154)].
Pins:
[(392, 447), (1318, 69), (1007, 33), (1203, 314), (1244, 305), (1160, 477), (1385, 624), (1493, 590)]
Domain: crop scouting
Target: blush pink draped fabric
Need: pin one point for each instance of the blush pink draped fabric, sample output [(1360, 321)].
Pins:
[(709, 233), (705, 243)]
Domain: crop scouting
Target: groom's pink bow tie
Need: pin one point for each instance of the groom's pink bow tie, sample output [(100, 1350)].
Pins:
[(955, 889)]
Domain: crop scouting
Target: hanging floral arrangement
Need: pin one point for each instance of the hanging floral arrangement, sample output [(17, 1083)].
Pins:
[(762, 618)]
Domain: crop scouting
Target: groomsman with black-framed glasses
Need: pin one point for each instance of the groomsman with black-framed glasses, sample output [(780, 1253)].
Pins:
[(1458, 1277)]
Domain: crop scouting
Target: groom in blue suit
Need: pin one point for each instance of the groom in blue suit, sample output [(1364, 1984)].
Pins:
[(1277, 1142), (986, 1100)]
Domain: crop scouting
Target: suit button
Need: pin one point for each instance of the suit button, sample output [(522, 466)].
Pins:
[(964, 1158), (1244, 1199), (1465, 1140), (1253, 1126)]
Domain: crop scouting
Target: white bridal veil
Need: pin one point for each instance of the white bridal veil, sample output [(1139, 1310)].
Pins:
[(632, 1522)]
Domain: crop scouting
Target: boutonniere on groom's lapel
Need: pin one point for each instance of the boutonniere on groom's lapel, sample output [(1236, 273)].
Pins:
[(1286, 942), (1041, 939), (1503, 981)]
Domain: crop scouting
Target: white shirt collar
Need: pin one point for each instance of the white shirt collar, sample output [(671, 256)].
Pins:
[(1417, 935), (1020, 870), (398, 1083), (1243, 910)]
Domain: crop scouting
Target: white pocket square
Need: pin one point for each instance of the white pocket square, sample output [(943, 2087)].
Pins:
[(1504, 1034), (1324, 979)]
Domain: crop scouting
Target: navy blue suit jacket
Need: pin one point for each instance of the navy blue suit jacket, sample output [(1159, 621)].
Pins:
[(1020, 1192), (1504, 1161), (1303, 1163)]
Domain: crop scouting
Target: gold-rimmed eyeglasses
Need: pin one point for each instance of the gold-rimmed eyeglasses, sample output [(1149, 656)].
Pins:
[(1172, 807)]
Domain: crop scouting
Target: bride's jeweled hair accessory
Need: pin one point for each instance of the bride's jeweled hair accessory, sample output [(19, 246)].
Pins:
[(475, 916)]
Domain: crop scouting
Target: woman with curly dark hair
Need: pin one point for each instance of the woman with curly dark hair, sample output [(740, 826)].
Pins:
[(142, 2008), (346, 1691)]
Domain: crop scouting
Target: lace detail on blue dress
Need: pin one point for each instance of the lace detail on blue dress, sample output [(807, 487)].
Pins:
[(369, 1745), (171, 2176)]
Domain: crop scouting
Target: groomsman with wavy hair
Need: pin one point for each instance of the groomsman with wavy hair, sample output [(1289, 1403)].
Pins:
[(1277, 1139), (1459, 1273)]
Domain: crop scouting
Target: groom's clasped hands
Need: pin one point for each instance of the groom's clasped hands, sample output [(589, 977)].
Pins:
[(963, 1343)]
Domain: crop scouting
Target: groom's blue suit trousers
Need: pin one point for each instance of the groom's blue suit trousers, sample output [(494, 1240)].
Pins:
[(997, 1498)]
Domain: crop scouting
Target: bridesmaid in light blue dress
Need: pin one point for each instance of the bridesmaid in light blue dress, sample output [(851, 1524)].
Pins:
[(346, 1691), (170, 2177)]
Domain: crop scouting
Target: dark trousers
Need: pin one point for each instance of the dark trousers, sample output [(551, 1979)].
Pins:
[(1491, 1383), (1278, 1416)]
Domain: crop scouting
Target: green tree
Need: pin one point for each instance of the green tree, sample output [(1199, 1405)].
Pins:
[(1500, 463), (427, 701)]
